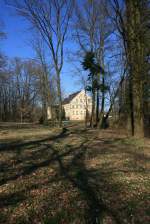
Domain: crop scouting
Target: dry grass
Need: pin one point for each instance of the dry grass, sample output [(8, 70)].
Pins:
[(15, 132), (74, 177)]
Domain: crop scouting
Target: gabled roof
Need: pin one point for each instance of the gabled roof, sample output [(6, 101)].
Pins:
[(70, 97)]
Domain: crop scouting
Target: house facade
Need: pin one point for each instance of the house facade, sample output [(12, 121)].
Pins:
[(77, 105)]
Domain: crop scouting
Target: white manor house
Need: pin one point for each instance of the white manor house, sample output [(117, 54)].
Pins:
[(76, 105)]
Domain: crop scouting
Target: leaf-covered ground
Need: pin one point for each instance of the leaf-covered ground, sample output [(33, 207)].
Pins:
[(74, 176)]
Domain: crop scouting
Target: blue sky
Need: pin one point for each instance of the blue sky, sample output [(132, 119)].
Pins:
[(17, 44)]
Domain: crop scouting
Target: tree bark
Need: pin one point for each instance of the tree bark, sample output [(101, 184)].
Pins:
[(93, 110), (60, 99), (97, 107), (135, 62)]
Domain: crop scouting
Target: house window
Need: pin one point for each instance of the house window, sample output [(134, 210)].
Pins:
[(89, 100), (81, 112), (77, 106), (77, 112), (72, 106), (81, 100)]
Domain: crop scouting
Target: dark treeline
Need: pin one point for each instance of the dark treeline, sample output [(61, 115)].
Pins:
[(112, 45), (23, 90)]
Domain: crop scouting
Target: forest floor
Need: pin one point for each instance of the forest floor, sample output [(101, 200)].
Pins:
[(73, 176)]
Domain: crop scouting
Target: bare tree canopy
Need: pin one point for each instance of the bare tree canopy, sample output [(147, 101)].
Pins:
[(115, 32), (51, 20)]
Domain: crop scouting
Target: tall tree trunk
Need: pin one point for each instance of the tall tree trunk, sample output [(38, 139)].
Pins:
[(135, 62), (102, 32), (102, 103), (97, 107), (43, 86), (59, 98), (86, 109), (93, 110), (131, 107), (103, 96)]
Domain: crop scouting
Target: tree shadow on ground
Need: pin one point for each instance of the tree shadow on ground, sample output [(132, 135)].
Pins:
[(43, 150), (77, 173), (74, 169), (20, 144)]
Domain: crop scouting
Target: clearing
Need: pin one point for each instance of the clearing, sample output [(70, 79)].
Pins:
[(72, 176)]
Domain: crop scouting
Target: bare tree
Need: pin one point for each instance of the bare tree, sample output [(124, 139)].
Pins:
[(44, 77), (19, 95), (51, 19), (93, 29)]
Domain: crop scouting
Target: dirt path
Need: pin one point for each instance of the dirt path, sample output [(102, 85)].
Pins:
[(80, 176)]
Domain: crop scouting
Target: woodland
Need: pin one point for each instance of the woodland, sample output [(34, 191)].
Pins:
[(58, 171)]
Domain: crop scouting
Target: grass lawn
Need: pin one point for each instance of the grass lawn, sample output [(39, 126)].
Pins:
[(74, 176)]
